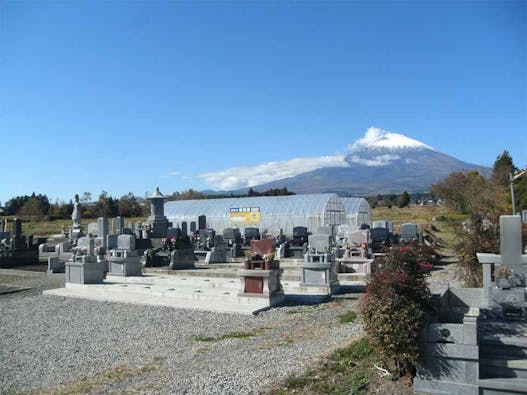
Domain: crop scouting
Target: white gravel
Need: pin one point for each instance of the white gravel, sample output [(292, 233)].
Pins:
[(51, 343)]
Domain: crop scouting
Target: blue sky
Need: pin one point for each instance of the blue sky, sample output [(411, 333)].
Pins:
[(127, 96)]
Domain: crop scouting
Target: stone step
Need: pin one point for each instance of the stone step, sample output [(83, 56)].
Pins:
[(503, 347), (498, 367), (501, 351), (288, 275), (206, 299), (184, 303), (496, 340), (498, 386), (212, 283)]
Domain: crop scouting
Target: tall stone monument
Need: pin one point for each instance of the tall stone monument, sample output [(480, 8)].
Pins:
[(157, 220), (76, 228)]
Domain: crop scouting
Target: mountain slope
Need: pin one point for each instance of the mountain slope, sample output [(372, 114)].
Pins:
[(414, 172), (379, 162)]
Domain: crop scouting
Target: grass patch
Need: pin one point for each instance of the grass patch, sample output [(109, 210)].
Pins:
[(293, 311), (348, 317), (232, 335), (347, 370), (90, 384), (41, 228)]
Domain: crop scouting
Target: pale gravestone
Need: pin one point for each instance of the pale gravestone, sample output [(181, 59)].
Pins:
[(319, 267), (504, 275)]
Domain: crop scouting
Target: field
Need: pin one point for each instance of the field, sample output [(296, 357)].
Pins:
[(45, 228)]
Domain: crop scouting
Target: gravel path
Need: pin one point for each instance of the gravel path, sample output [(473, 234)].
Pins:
[(78, 346)]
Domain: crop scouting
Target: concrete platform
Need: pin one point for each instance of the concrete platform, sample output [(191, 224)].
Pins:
[(218, 294)]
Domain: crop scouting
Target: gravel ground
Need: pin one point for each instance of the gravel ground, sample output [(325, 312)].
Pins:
[(51, 344)]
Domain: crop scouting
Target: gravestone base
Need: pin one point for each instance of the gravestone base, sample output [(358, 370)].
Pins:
[(85, 272), (215, 255), (295, 252), (55, 265), (450, 357), (357, 265), (123, 263), (182, 259), (264, 284), (321, 275)]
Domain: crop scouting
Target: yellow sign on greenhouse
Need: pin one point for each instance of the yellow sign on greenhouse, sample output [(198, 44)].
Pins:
[(244, 216)]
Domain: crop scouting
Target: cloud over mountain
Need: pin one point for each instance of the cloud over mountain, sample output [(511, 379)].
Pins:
[(379, 162), (240, 177), (374, 139)]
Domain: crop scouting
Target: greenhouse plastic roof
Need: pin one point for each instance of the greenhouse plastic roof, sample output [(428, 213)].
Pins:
[(353, 205), (297, 205)]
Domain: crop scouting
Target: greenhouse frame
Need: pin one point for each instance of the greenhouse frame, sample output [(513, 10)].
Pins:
[(358, 211), (268, 213)]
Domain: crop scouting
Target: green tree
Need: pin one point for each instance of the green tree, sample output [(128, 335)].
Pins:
[(520, 192), (105, 206), (128, 206), (404, 199), (503, 167), (33, 209)]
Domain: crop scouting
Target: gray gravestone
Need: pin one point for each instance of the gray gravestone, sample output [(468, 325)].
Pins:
[(118, 225), (380, 224), (510, 240), (409, 232), (320, 243), (16, 228), (103, 226), (126, 242), (111, 242)]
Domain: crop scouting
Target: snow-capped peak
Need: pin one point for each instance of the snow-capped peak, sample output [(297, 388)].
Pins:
[(377, 139)]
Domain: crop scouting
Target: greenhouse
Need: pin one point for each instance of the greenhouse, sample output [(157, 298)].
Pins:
[(268, 213), (357, 210)]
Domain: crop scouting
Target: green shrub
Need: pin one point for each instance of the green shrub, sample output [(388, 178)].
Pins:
[(478, 238), (393, 308)]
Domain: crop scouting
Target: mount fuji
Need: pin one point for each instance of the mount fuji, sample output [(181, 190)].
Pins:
[(381, 162)]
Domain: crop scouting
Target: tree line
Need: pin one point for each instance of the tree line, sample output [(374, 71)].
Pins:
[(38, 207)]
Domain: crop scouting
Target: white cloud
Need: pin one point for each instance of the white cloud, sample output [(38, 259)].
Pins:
[(380, 160), (240, 177), (171, 174)]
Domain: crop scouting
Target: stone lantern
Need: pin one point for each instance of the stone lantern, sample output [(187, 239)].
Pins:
[(157, 220)]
